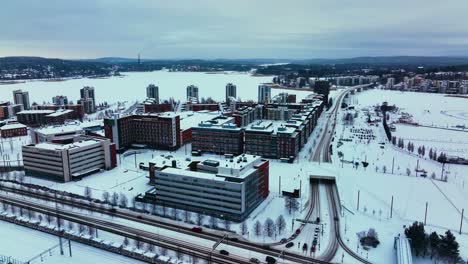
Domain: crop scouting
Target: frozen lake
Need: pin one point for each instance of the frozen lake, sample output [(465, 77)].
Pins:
[(133, 85)]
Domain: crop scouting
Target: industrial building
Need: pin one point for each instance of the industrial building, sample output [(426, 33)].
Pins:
[(230, 188), (67, 162)]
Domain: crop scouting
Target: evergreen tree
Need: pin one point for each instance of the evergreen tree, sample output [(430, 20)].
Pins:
[(430, 153), (448, 248), (418, 237), (434, 241)]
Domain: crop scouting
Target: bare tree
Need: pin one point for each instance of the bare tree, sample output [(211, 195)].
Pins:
[(151, 248), (70, 226), (384, 169), (163, 251), (123, 201), (81, 228), (114, 199), (408, 172), (88, 192), (269, 227), (134, 202), (105, 196), (213, 221), (227, 224), (126, 242), (187, 216), (200, 217), (291, 204), (244, 229), (257, 228), (280, 224)]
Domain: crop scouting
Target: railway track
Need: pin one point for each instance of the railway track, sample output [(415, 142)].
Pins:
[(265, 249)]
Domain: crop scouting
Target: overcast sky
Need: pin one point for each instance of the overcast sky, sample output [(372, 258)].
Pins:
[(233, 29)]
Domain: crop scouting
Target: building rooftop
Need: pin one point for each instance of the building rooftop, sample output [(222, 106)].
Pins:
[(60, 112), (82, 143), (47, 112), (12, 126), (268, 126), (190, 119), (213, 169)]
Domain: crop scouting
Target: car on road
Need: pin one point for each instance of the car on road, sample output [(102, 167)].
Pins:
[(254, 260), (283, 240), (224, 252), (197, 229), (298, 231), (270, 260), (289, 245)]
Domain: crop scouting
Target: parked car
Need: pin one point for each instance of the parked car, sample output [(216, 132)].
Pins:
[(224, 252), (298, 231), (289, 245)]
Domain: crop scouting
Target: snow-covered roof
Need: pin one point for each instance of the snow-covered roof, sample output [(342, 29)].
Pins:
[(47, 112), (12, 126), (78, 144), (190, 119)]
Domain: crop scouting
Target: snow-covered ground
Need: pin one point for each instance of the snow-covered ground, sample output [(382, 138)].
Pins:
[(410, 194), (23, 244)]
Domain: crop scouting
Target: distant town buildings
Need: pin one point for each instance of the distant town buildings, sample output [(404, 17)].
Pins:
[(264, 93), (152, 91), (192, 94), (36, 118), (66, 162), (228, 188), (22, 98), (419, 83), (231, 92), (88, 99), (60, 100), (8, 110)]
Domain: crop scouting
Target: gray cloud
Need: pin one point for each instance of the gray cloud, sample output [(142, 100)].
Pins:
[(233, 29)]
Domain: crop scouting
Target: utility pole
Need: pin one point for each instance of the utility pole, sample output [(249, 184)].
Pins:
[(461, 221), (425, 214), (279, 186), (358, 194), (391, 208)]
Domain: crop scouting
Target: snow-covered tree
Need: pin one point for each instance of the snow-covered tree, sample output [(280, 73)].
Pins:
[(257, 228), (244, 229), (105, 196), (280, 224), (291, 204), (88, 193), (269, 227)]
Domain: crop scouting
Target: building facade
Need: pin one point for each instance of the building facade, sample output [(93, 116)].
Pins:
[(228, 189), (22, 98), (264, 93), (66, 162), (152, 91), (160, 131), (231, 92), (192, 93), (13, 130)]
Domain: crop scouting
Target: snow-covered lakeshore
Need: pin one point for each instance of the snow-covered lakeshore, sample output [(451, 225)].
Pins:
[(132, 86)]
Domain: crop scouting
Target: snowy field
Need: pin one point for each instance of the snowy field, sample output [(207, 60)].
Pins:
[(426, 108), (14, 244), (386, 176), (132, 86)]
